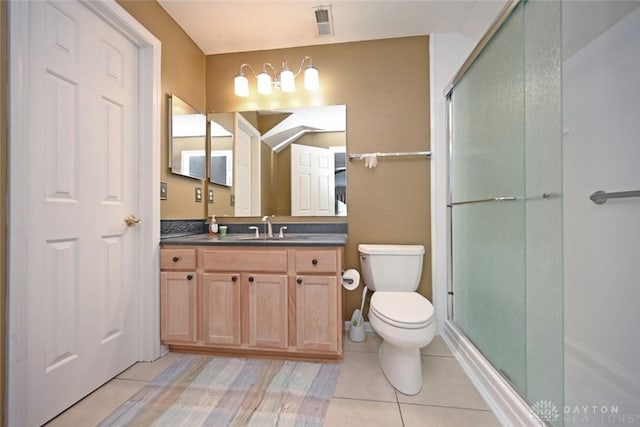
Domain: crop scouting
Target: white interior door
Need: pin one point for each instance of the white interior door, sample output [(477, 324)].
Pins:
[(247, 180), (313, 188), (81, 184), (242, 181)]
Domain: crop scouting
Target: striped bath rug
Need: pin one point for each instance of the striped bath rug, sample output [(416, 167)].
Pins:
[(222, 391)]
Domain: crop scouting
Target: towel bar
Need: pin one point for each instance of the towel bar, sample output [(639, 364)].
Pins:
[(398, 154), (600, 197)]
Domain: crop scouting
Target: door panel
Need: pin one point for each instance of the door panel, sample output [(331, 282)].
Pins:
[(317, 313), (268, 314), (178, 311), (81, 184), (221, 311)]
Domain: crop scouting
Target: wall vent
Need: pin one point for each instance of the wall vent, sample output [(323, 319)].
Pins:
[(324, 21)]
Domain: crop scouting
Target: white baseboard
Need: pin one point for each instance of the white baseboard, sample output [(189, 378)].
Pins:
[(508, 406)]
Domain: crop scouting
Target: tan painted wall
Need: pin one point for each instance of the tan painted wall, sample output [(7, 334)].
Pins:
[(385, 86), (3, 201), (183, 73)]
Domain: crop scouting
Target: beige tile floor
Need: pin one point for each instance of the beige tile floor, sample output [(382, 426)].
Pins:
[(363, 397)]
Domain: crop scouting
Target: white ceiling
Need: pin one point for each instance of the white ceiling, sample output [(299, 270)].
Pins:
[(224, 26)]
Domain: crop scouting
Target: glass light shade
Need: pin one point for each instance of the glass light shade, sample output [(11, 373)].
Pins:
[(287, 81), (264, 83), (311, 80), (241, 85)]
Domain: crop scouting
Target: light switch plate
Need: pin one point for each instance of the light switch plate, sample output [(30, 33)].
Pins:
[(210, 196), (198, 194), (163, 190)]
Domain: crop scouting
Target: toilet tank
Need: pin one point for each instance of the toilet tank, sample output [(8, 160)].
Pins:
[(391, 267)]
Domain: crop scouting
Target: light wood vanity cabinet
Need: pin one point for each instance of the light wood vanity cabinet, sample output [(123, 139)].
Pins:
[(274, 301), (178, 289), (267, 320), (317, 320), (221, 308)]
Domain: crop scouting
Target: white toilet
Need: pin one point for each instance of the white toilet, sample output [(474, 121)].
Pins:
[(401, 316)]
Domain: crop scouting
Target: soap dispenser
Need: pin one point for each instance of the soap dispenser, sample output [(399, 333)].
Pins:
[(213, 225)]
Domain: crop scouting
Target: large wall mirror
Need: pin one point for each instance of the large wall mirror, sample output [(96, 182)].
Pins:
[(300, 156), (187, 139)]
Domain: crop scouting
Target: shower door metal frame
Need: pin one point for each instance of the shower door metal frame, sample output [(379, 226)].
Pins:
[(449, 156)]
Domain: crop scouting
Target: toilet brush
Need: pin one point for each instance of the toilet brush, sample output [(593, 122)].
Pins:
[(364, 295), (356, 331)]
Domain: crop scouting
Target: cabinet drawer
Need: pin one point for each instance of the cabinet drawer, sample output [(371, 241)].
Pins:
[(316, 261), (271, 261), (177, 259)]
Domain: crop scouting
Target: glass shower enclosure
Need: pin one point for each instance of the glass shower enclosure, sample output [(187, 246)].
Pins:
[(505, 204)]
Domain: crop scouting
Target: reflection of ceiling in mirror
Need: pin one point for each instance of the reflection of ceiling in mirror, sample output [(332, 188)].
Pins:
[(217, 130), (188, 125), (300, 121)]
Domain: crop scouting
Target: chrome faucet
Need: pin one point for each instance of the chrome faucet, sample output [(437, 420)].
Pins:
[(268, 227)]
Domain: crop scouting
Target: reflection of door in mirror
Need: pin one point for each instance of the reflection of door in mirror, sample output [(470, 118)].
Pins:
[(312, 181), (247, 182), (329, 144), (187, 140)]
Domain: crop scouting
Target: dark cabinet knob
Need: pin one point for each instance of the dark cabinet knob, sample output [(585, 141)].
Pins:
[(234, 278), (189, 276), (251, 279), (314, 261), (176, 258), (299, 280)]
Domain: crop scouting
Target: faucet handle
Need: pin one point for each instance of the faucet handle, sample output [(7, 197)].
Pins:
[(281, 235), (253, 227)]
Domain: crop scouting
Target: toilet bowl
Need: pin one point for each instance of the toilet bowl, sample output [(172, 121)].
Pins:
[(402, 317), (404, 329)]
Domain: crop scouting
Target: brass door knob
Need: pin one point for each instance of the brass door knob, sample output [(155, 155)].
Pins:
[(132, 220)]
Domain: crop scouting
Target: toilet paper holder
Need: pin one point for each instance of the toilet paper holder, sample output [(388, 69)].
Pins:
[(350, 279)]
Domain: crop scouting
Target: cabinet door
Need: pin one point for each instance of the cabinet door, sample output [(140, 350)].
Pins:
[(178, 312), (221, 308), (317, 313), (267, 309)]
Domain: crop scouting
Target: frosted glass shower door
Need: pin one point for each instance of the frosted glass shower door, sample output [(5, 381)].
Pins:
[(506, 210), (488, 238)]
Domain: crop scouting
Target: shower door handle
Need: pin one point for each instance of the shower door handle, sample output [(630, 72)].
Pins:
[(492, 199)]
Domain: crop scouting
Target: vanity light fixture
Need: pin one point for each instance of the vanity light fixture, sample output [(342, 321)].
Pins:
[(267, 79)]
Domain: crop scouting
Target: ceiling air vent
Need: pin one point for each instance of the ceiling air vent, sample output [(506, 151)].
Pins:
[(323, 20)]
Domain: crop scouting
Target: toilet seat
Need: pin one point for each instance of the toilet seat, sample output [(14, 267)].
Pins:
[(408, 310)]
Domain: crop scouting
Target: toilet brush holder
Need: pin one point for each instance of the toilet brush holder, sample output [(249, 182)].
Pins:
[(356, 328)]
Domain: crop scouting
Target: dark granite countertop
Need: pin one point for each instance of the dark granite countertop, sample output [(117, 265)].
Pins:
[(242, 239)]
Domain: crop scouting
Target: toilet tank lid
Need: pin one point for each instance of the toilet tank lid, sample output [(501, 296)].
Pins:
[(370, 249)]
